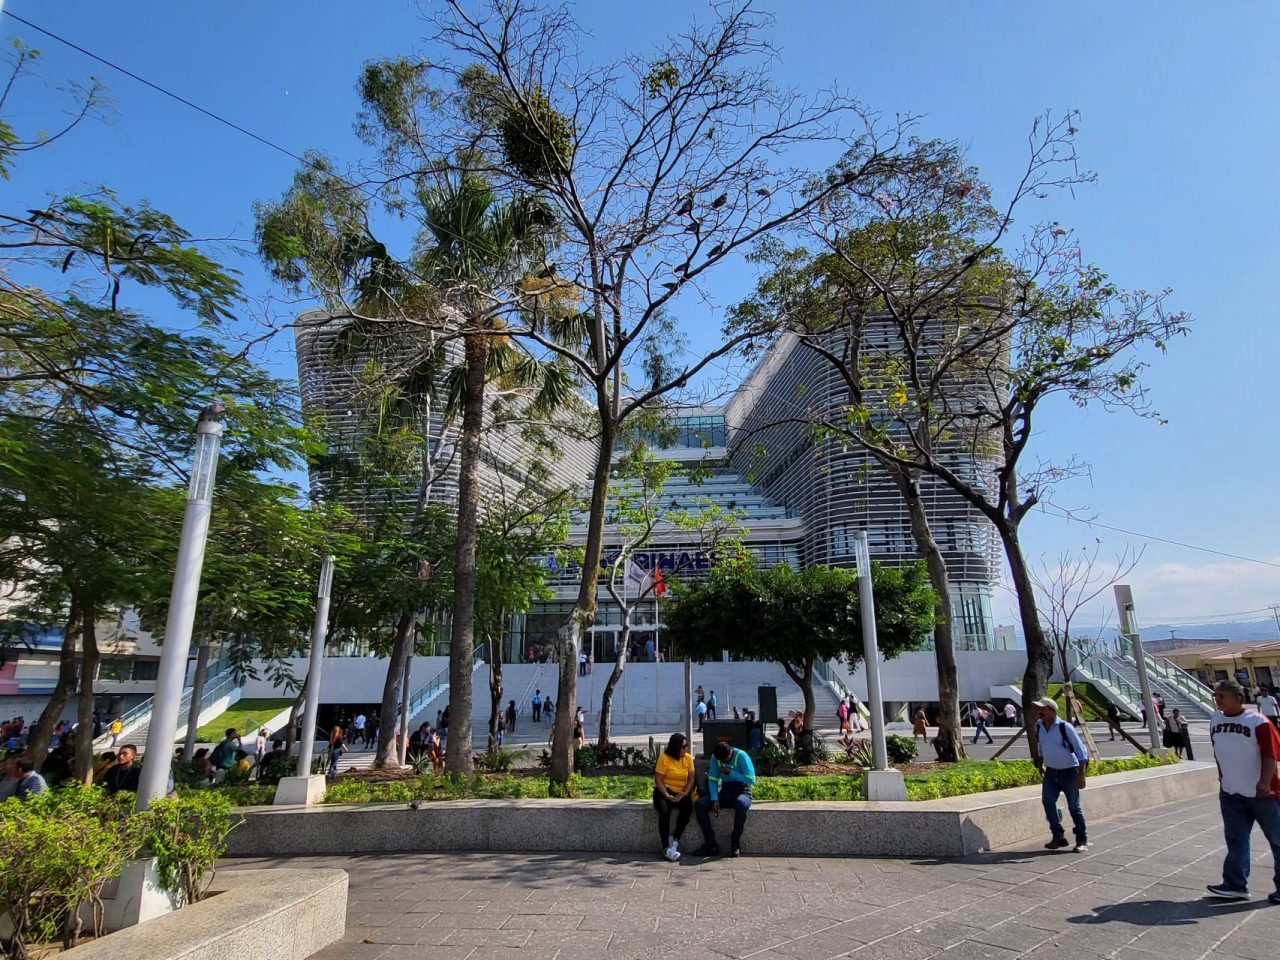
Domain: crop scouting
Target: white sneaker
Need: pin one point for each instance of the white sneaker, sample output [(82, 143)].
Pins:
[(672, 852)]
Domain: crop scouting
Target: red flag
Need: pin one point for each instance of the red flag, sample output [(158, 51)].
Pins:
[(659, 582)]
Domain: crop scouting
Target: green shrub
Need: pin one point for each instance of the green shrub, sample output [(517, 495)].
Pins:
[(496, 760), (272, 771), (57, 851), (771, 758), (187, 835), (244, 794), (584, 758), (901, 749)]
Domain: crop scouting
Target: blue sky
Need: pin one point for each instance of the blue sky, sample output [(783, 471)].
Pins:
[(1179, 118)]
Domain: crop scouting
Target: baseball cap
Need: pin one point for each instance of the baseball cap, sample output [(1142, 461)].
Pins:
[(1044, 702)]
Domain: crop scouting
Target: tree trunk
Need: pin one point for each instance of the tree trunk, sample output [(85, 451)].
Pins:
[(569, 639), (495, 685), (458, 759), (950, 737), (42, 732), (84, 708), (619, 665), (400, 651), (805, 682), (197, 694), (1039, 650), (292, 736)]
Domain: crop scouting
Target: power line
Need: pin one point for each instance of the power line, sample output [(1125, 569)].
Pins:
[(1149, 536), (157, 88)]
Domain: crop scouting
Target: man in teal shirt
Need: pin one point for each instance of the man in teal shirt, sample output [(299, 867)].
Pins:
[(730, 779)]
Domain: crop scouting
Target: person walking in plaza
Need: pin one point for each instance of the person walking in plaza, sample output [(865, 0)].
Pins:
[(582, 663), (1064, 762), (536, 702), (1180, 734), (729, 781), (260, 749), (357, 726), (511, 716), (842, 715), (920, 726), (117, 727), (1010, 715), (982, 717), (549, 711), (1113, 719), (1268, 706), (337, 747), (673, 791), (700, 708), (711, 705), (1246, 748)]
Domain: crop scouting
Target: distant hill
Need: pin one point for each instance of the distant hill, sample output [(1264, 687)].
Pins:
[(1233, 632)]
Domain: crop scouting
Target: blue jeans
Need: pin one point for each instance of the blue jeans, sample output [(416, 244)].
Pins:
[(333, 762), (1239, 814), (981, 729), (732, 796), (1057, 783)]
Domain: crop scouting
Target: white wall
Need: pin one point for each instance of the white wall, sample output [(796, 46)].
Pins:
[(345, 679), (914, 676)]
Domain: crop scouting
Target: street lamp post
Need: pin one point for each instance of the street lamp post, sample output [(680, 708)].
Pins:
[(154, 781), (1129, 629), (319, 631), (882, 781)]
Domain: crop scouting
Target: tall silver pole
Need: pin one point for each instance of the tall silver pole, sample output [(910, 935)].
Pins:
[(688, 702), (319, 630), (870, 650), (197, 694), (154, 781), (1129, 627)]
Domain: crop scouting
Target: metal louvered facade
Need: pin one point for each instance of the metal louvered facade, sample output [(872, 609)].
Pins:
[(837, 488), (331, 385)]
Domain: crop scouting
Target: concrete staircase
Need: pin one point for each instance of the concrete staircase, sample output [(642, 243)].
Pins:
[(1181, 690)]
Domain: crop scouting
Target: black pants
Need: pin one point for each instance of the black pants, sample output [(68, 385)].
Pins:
[(537, 712), (683, 809)]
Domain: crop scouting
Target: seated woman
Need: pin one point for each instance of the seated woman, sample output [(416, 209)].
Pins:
[(673, 789)]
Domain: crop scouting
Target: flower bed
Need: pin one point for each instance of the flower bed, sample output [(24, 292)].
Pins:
[(924, 782)]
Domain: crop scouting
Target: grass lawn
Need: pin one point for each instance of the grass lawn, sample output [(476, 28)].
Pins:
[(247, 716), (1091, 700), (949, 780)]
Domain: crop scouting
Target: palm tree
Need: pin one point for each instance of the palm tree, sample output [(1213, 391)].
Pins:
[(477, 255)]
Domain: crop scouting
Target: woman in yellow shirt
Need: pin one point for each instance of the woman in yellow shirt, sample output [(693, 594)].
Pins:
[(673, 789)]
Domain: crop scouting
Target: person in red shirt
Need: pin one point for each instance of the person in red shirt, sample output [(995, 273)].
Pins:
[(1246, 747)]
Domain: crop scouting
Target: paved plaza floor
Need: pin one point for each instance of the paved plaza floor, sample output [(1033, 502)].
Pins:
[(1137, 895)]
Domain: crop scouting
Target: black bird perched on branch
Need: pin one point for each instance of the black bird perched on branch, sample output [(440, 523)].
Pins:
[(719, 201), (685, 208), (716, 250)]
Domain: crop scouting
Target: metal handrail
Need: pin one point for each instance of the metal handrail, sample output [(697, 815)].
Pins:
[(1170, 672), (215, 687), (431, 689), (1101, 671), (828, 673)]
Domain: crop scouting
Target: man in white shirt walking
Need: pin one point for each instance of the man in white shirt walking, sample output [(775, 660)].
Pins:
[(1268, 706), (1246, 747), (1064, 760)]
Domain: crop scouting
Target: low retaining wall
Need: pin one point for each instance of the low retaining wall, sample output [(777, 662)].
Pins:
[(258, 914), (936, 828)]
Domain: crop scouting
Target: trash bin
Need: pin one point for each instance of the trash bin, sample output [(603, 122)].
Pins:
[(713, 731), (767, 698)]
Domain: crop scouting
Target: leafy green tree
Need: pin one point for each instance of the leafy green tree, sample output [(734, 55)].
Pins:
[(796, 619), (657, 169), (638, 510), (516, 538), (98, 403), (971, 340)]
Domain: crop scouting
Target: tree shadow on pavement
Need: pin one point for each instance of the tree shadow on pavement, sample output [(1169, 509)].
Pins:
[(1165, 913)]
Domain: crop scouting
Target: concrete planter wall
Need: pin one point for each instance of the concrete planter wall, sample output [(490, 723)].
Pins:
[(258, 914), (952, 827)]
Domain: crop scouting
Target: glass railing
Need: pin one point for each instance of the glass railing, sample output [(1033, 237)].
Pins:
[(431, 689), (1098, 669), (1171, 673), (215, 686)]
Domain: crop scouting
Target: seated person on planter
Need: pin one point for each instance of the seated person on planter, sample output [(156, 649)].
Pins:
[(730, 779), (673, 790), (124, 775)]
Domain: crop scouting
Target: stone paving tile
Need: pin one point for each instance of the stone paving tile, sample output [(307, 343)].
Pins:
[(1137, 896)]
